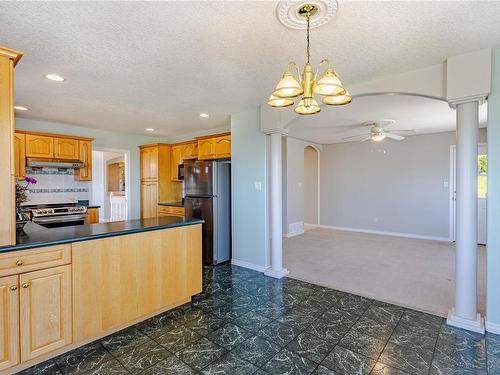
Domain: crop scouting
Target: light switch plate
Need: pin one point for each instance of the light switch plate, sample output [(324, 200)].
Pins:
[(258, 185)]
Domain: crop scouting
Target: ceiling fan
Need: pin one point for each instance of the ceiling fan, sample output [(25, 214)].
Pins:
[(378, 131)]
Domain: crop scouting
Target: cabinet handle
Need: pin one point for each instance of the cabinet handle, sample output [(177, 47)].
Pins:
[(19, 263), (26, 285), (13, 288)]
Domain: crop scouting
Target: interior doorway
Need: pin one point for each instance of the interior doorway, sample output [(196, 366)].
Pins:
[(311, 187), (110, 184), (482, 192)]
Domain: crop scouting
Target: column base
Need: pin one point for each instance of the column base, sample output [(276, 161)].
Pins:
[(476, 325), (276, 274)]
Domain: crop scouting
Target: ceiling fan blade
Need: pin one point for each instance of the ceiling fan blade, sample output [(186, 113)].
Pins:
[(366, 139), (394, 136), (409, 131), (354, 136)]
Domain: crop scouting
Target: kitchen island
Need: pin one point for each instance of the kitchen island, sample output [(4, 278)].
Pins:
[(64, 287)]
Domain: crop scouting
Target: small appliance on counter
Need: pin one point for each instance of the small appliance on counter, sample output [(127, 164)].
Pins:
[(207, 188)]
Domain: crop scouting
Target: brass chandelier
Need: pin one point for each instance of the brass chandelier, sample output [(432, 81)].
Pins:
[(328, 86)]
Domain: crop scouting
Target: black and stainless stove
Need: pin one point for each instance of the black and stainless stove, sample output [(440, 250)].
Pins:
[(57, 215)]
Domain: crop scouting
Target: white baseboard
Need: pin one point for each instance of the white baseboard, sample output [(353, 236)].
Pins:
[(311, 225), (394, 234), (249, 265), (492, 327), (289, 235), (474, 325)]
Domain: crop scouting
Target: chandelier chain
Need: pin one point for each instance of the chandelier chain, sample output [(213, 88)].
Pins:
[(308, 47)]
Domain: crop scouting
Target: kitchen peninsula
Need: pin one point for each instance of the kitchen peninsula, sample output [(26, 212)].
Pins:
[(65, 287)]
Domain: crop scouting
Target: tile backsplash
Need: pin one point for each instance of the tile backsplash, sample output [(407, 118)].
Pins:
[(56, 185)]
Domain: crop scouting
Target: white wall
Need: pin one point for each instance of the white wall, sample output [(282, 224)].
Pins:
[(250, 240), (105, 140), (293, 184), (391, 186), (311, 170)]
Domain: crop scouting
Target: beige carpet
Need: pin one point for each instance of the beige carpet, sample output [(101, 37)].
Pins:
[(413, 273)]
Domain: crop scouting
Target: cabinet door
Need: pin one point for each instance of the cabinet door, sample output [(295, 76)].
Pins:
[(149, 199), (9, 325), (92, 216), (149, 163), (175, 160), (206, 149), (66, 148), (39, 146), (190, 151), (19, 155), (46, 317), (85, 173), (223, 146)]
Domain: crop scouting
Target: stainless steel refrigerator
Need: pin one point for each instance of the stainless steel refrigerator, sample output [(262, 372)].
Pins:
[(207, 190)]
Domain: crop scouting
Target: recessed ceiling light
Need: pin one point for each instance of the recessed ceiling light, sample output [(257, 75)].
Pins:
[(54, 77), (21, 108), (150, 130), (203, 114)]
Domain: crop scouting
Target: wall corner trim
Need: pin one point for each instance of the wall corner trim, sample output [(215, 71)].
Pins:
[(492, 327), (252, 266)]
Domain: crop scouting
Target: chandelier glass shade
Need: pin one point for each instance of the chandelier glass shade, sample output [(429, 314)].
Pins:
[(306, 85)]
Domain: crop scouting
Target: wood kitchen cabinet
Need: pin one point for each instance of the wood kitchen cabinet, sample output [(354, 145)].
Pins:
[(171, 211), (66, 149), (175, 160), (157, 184), (85, 155), (214, 147), (9, 334), (92, 215), (39, 146), (45, 311), (149, 199), (190, 150), (19, 155)]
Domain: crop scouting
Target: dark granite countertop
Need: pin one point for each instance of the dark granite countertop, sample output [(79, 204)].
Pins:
[(37, 236), (173, 204)]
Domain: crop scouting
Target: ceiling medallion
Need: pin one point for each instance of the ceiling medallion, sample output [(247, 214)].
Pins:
[(329, 86), (288, 13)]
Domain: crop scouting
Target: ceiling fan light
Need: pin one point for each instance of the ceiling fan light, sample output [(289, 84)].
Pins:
[(307, 106), (329, 84), (275, 101), (378, 137), (338, 99), (288, 86)]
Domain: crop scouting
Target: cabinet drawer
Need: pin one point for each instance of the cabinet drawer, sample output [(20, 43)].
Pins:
[(170, 211), (35, 259)]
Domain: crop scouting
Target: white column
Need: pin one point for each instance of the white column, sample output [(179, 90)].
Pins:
[(276, 270), (464, 314)]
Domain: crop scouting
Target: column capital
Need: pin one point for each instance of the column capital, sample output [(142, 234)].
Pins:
[(276, 131), (481, 99)]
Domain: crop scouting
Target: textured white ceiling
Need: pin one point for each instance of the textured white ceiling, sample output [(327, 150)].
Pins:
[(334, 124), (132, 65)]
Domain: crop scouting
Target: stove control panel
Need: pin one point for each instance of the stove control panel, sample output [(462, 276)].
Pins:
[(46, 211)]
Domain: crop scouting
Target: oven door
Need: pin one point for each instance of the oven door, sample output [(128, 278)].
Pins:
[(60, 221)]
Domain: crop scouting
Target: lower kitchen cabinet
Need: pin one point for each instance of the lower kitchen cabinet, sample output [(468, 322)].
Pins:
[(45, 311), (93, 215), (9, 326), (149, 199)]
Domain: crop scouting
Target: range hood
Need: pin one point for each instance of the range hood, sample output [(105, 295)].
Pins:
[(54, 163)]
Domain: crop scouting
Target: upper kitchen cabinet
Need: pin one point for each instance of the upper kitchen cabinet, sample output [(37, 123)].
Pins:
[(19, 155), (175, 160), (85, 155), (39, 146), (214, 147), (66, 148), (149, 162), (190, 150)]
